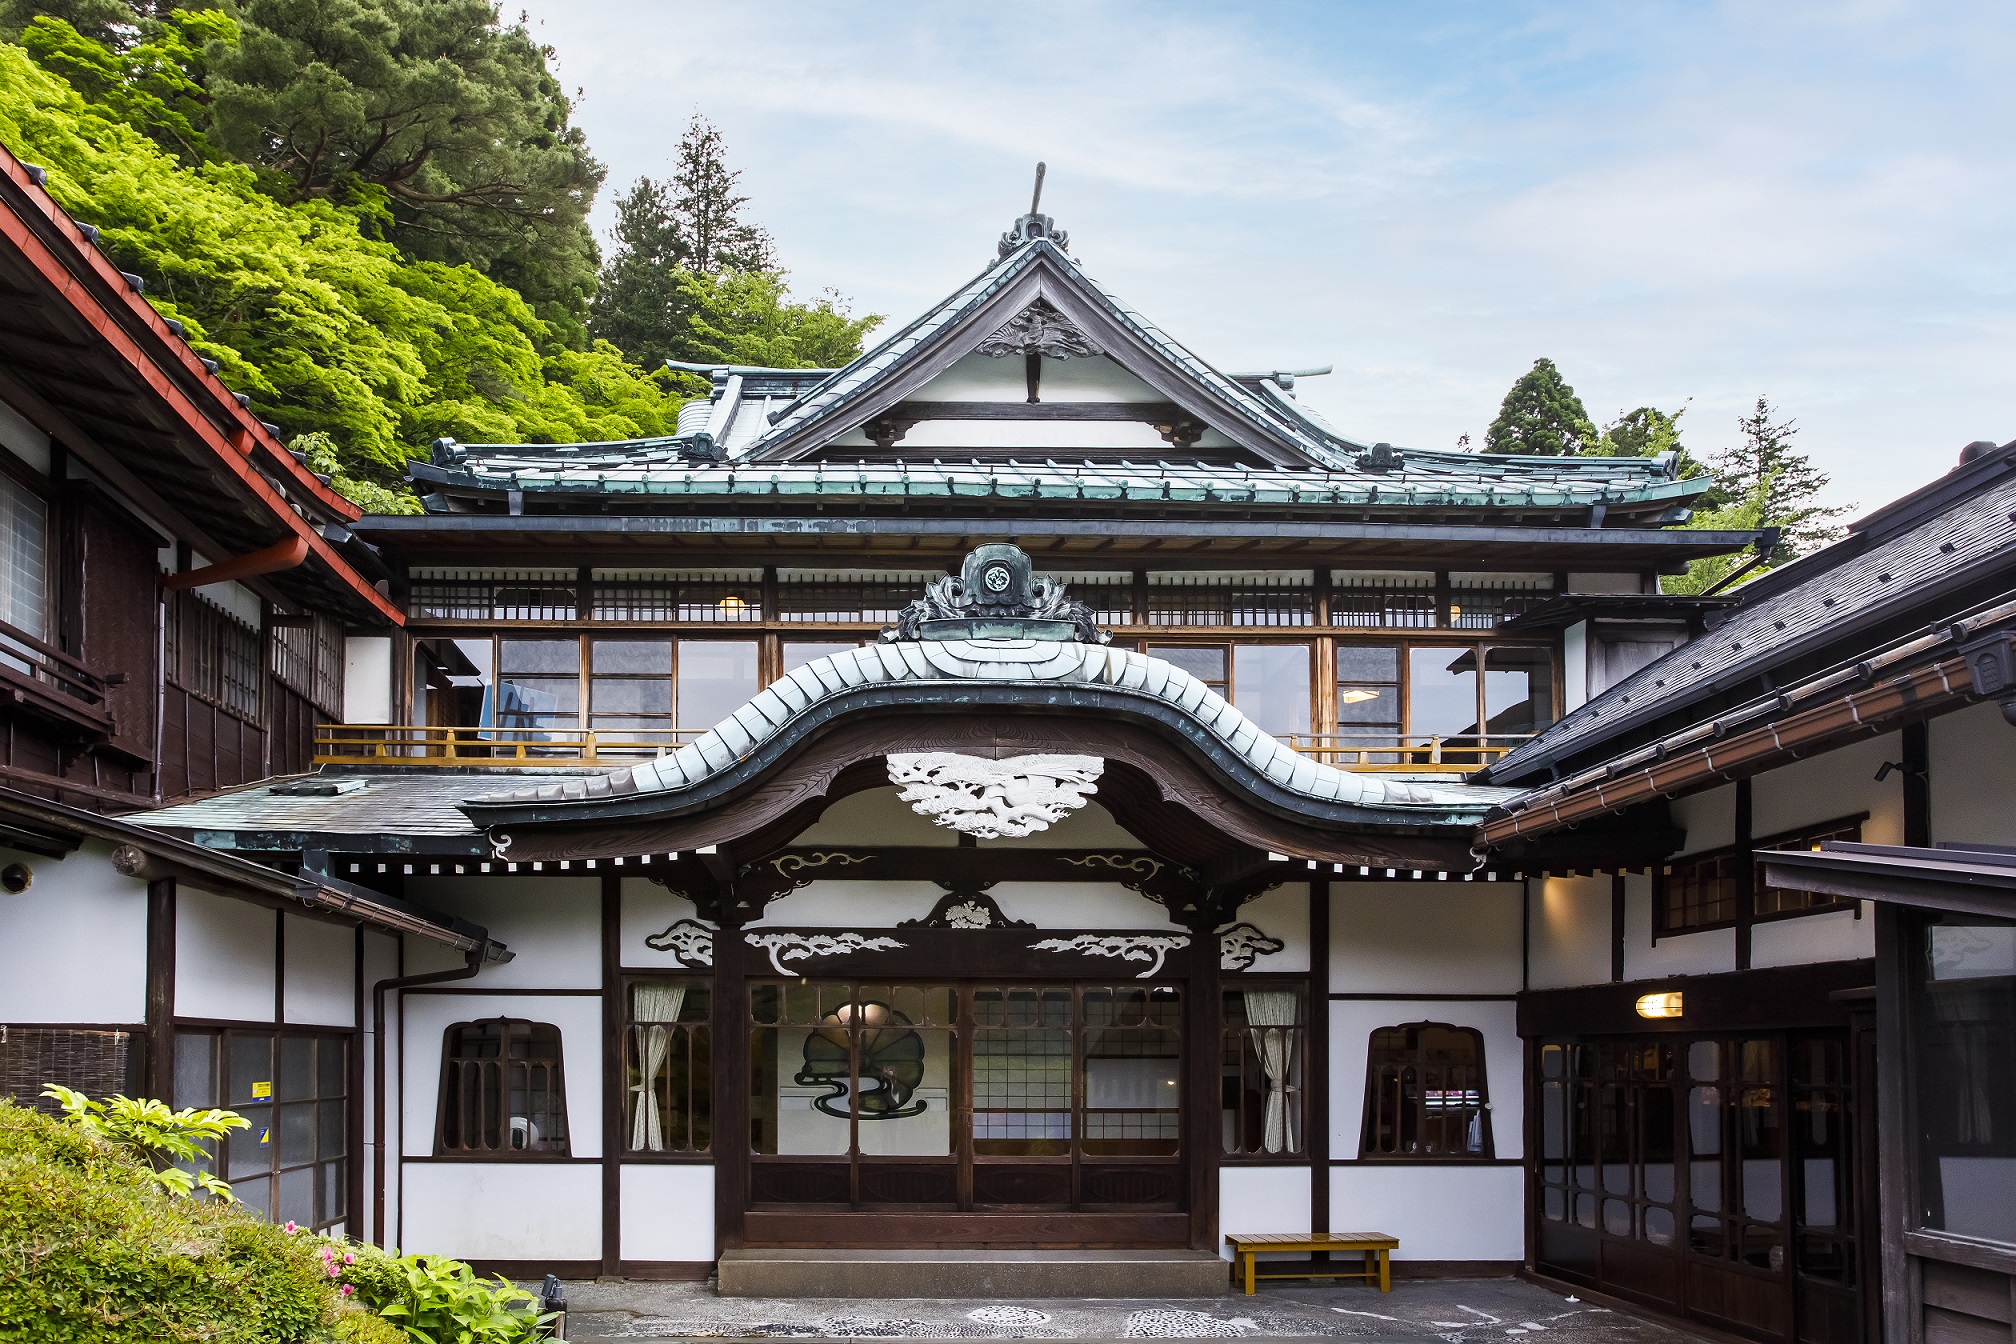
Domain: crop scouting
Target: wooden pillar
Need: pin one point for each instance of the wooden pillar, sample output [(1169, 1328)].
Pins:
[(1316, 1069), (615, 1097), (1746, 876), (1617, 892), (1202, 1122), (1917, 785), (160, 1073), (730, 1028)]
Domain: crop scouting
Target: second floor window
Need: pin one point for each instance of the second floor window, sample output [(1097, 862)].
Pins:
[(24, 558), (1425, 1095), (503, 1092)]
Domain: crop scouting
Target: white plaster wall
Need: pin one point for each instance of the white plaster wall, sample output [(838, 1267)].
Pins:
[(223, 957), (1090, 827), (1352, 1022), (1701, 953), (1837, 783), (976, 377), (367, 679), (1261, 1199), (840, 904), (237, 599), (1836, 936), (553, 924), (1281, 913), (1708, 817), (874, 817), (1439, 1213), (668, 1211), (503, 1210), (381, 962), (73, 947), (320, 986), (428, 1017), (648, 909), (1571, 932), (1575, 666), (1973, 777), (1424, 937)]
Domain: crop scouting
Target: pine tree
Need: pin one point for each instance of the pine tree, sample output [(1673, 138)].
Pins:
[(638, 302), (707, 213), (1785, 483), (1541, 415)]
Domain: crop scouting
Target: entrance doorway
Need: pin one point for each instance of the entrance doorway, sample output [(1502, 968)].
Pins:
[(965, 1098)]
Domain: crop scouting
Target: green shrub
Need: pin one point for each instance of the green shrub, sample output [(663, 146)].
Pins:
[(154, 1135)]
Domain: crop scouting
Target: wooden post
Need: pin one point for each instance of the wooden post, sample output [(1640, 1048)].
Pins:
[(614, 1097), (160, 1071), (1316, 1069), (1202, 1122), (1746, 875), (730, 1028), (1917, 785)]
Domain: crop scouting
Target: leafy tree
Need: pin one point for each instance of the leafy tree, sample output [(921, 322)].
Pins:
[(151, 77), (745, 317), (1764, 465), (638, 300), (452, 120), (1746, 514), (1541, 415), (1651, 432)]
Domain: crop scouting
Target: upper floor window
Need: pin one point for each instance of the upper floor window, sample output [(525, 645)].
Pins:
[(1425, 1095), (1797, 901), (503, 1091), (1205, 598), (24, 558), (1269, 683), (1701, 891), (213, 655)]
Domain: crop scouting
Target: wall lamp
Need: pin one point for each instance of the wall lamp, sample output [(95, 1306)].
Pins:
[(1660, 1005)]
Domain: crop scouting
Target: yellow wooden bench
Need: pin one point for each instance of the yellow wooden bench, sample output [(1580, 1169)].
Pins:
[(1373, 1245)]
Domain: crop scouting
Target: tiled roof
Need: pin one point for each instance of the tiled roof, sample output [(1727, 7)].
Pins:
[(409, 801), (1948, 532)]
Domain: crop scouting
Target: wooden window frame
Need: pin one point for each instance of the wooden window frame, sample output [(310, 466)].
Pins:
[(1368, 1127), (700, 1087), (1300, 1065), (557, 1088)]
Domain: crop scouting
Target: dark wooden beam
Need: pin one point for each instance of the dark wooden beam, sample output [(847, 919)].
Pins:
[(918, 412), (161, 990)]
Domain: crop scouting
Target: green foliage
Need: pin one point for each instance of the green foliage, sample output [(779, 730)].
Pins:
[(443, 1300), (746, 317), (706, 214), (1541, 414), (1762, 463), (154, 1134), (1743, 515), (154, 84), (326, 329), (93, 1252)]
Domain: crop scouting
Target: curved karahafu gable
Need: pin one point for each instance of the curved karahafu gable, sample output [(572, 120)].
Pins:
[(979, 658)]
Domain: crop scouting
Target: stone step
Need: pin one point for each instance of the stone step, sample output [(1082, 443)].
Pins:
[(979, 1274)]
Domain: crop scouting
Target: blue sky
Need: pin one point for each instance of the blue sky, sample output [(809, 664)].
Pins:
[(1674, 202)]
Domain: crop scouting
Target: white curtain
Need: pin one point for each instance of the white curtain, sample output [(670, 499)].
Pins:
[(650, 1006), (1268, 1013)]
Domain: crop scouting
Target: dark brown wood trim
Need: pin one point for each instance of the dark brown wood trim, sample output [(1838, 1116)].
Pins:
[(279, 968), (730, 1082), (667, 1271), (1898, 1194), (1960, 1251), (1917, 744), (1746, 874), (1316, 1069), (1370, 996), (1202, 1033), (1782, 998), (160, 1008), (613, 1095), (354, 1109), (532, 1271), (1428, 1162), (492, 1159), (1617, 911), (506, 993), (979, 1230)]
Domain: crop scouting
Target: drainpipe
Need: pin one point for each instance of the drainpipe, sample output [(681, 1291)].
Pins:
[(473, 962), (282, 555), (1760, 551)]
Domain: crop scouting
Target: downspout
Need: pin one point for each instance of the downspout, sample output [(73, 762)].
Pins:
[(473, 962), (1760, 551)]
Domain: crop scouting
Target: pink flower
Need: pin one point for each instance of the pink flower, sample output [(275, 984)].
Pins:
[(349, 1259), (334, 1272), (345, 1291), (291, 1229)]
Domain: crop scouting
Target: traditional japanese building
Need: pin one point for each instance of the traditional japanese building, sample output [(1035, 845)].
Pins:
[(1031, 790)]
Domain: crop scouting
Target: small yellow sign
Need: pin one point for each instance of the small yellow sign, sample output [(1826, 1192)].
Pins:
[(262, 1089), (265, 1137)]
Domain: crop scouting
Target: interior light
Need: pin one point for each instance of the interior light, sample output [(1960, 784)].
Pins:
[(1356, 697), (1660, 1005), (731, 603)]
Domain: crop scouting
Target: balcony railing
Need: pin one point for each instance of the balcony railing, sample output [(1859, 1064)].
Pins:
[(568, 748), (41, 678)]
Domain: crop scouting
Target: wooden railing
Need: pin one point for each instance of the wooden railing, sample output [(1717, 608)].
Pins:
[(559, 748), (52, 680)]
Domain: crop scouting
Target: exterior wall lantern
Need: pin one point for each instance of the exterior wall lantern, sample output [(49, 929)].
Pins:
[(1660, 1005)]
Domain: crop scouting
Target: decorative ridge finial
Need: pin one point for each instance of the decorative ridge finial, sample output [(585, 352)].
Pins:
[(1033, 225), (996, 596)]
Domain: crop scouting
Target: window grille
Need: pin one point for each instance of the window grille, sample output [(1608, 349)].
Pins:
[(1794, 901), (1425, 1095), (730, 596), (292, 1162), (665, 1068), (1699, 892), (1109, 593), (93, 1060), (1263, 1044), (24, 563), (815, 596), (1607, 1137), (308, 660), (1481, 601), (1263, 598), (502, 1090), (1385, 599), (493, 594), (213, 655)]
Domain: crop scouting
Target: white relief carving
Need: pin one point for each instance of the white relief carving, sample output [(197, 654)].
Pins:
[(989, 799), (968, 915), (690, 940), (1125, 946), (1240, 944), (784, 947)]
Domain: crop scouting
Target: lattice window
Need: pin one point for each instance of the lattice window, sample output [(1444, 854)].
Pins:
[(1425, 1095), (1481, 601), (503, 1092), (493, 594), (24, 561), (292, 1162), (1699, 892), (1385, 599), (817, 596), (213, 655), (308, 660), (1110, 593), (1792, 900), (1260, 598), (730, 596)]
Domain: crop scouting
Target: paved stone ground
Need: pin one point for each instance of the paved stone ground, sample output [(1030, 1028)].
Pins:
[(1452, 1311)]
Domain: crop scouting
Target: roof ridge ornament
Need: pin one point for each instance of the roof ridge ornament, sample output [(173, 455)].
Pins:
[(1039, 329), (1032, 225), (996, 596)]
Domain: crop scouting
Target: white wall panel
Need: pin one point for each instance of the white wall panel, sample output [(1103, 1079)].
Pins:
[(1836, 783), (874, 817), (1836, 936), (841, 904), (1352, 1022), (320, 984), (428, 1017), (73, 947), (668, 1211), (1439, 1213), (1701, 953), (1708, 817), (1571, 932), (649, 909), (552, 923), (381, 962), (1973, 777), (1425, 937), (1261, 1199), (503, 1210), (1282, 913), (1091, 827), (367, 679), (223, 957)]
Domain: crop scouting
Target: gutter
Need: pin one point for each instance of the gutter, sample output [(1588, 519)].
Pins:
[(269, 560)]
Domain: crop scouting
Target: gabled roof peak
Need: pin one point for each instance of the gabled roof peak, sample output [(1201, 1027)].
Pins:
[(1032, 226)]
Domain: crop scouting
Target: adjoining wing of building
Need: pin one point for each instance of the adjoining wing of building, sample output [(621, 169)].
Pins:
[(1025, 789)]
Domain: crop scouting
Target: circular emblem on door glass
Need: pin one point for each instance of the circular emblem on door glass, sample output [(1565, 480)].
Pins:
[(996, 578)]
